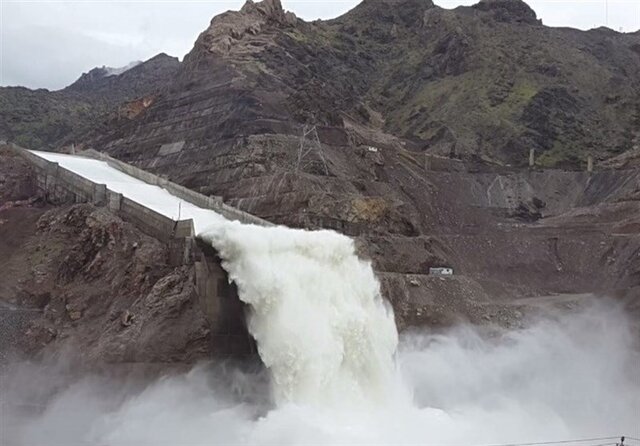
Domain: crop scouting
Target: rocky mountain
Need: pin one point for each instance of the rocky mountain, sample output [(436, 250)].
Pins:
[(486, 82), (394, 124), (390, 83), (50, 119)]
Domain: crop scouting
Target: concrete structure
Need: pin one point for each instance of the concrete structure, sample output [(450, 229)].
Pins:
[(214, 203), (217, 297), (532, 157), (441, 271)]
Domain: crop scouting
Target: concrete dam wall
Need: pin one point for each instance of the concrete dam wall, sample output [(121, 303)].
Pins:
[(217, 297)]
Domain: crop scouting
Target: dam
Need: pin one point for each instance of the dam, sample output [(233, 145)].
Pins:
[(329, 344), (315, 309), (163, 210)]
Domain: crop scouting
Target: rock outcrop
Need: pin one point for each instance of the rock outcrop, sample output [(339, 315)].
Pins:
[(509, 11)]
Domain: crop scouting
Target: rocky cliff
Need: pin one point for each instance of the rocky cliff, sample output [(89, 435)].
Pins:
[(53, 119)]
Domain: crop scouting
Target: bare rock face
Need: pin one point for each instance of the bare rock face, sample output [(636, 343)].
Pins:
[(515, 11), (272, 10), (478, 82), (227, 29), (17, 182), (76, 278), (103, 289)]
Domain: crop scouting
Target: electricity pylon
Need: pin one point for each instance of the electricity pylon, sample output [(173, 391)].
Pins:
[(309, 146)]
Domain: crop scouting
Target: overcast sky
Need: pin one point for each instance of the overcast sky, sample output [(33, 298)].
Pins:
[(48, 44)]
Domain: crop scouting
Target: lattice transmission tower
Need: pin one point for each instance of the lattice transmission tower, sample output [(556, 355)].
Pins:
[(310, 153)]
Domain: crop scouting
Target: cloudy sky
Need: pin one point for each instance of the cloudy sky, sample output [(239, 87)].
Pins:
[(49, 43)]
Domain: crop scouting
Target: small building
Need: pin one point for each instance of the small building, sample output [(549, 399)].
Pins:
[(441, 271)]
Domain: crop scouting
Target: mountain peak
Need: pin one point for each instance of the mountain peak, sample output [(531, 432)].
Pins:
[(230, 28), (509, 11), (408, 12), (111, 71), (270, 9), (100, 76)]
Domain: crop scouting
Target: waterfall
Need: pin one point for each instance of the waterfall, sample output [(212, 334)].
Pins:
[(321, 324)]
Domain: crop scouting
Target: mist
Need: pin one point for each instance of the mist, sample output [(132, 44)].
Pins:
[(564, 378)]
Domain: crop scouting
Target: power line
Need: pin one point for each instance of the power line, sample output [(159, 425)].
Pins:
[(583, 440), (604, 444)]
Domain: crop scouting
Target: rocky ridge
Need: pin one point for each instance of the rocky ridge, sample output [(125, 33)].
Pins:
[(55, 119)]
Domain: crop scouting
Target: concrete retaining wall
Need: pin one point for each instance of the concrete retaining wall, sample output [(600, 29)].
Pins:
[(319, 222), (217, 297), (214, 203), (60, 185), (219, 301)]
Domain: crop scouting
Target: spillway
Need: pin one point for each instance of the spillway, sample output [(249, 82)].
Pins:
[(321, 324), (328, 339), (151, 196)]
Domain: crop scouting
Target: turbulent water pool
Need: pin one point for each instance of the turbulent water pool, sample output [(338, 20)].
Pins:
[(574, 377)]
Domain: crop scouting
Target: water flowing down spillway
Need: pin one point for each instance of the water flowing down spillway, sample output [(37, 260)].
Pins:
[(321, 324), (339, 373)]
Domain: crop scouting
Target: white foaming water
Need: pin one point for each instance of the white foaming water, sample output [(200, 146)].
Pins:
[(564, 379), (321, 325), (569, 378)]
